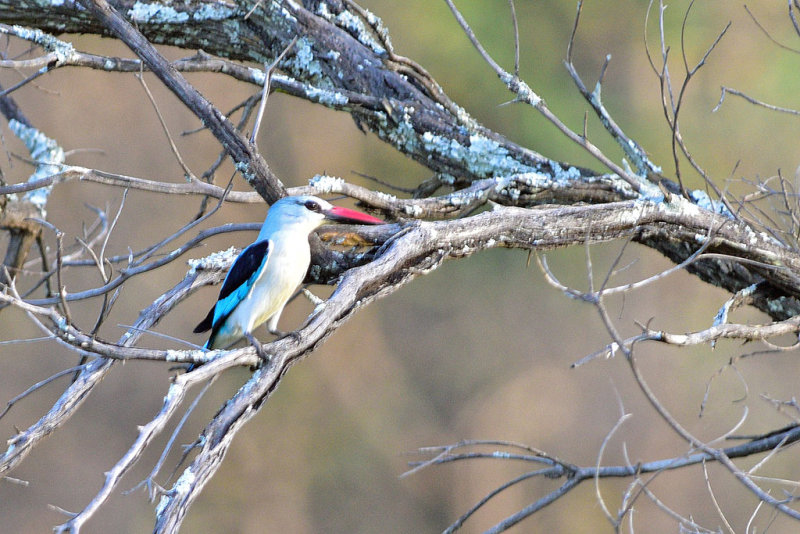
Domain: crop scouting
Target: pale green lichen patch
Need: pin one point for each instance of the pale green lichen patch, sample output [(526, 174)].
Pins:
[(244, 169), (521, 89), (466, 197), (355, 26), (147, 13), (483, 156), (480, 155), (779, 305), (326, 97), (304, 62), (377, 24), (182, 487), (62, 49), (215, 261), (279, 8), (386, 197), (325, 184), (47, 154), (413, 210), (153, 13), (401, 134), (570, 174), (704, 201), (217, 11), (315, 271)]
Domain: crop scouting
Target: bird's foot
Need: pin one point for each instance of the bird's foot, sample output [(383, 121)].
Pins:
[(294, 334), (259, 348)]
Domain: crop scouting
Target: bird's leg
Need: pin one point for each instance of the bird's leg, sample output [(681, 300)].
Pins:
[(272, 324), (315, 300), (259, 348)]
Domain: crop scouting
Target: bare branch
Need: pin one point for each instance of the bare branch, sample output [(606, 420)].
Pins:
[(575, 474), (718, 455), (91, 375), (632, 150), (70, 173), (752, 100)]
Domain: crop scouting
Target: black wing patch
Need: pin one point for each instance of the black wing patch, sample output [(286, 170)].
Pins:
[(242, 270)]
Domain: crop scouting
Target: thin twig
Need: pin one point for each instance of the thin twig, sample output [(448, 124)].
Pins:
[(718, 454), (268, 70), (766, 32), (177, 153), (752, 100), (598, 494), (37, 386)]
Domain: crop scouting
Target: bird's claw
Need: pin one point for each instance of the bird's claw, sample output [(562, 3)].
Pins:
[(294, 334)]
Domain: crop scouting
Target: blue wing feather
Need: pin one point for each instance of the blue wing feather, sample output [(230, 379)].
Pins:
[(237, 285)]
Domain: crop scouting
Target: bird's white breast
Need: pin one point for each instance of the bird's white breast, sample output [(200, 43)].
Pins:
[(289, 258)]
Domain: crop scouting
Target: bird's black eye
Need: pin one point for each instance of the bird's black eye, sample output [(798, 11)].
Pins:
[(312, 206)]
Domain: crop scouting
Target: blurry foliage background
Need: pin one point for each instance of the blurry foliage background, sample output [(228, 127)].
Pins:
[(479, 349)]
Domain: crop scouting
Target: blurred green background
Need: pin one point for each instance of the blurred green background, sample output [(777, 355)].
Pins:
[(480, 349)]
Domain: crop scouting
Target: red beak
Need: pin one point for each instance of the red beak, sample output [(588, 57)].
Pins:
[(346, 215)]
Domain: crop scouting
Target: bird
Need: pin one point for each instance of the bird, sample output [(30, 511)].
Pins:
[(266, 273)]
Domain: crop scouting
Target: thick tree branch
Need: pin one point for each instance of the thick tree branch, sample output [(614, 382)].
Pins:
[(330, 55), (393, 106)]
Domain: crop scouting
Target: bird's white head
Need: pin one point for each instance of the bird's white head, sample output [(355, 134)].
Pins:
[(306, 213)]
